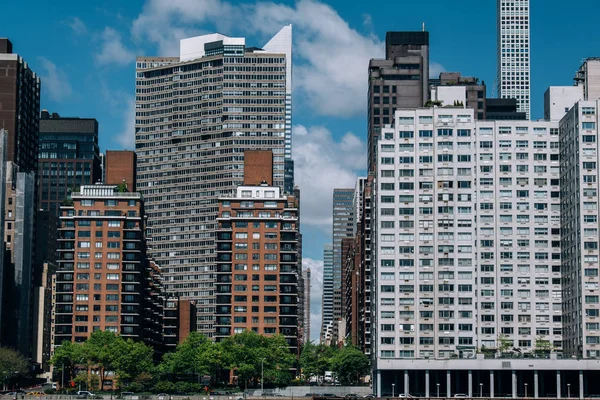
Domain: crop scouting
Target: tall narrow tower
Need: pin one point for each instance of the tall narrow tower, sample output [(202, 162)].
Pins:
[(513, 52)]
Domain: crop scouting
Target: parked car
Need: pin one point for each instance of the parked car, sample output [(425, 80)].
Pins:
[(460, 395), (163, 396), (406, 396), (84, 394), (351, 396), (369, 396)]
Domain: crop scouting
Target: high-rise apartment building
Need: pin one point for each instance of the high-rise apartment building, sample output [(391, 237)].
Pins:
[(69, 157), (104, 281), (453, 88), (579, 220), (327, 299), (513, 69), (196, 115), (343, 217), (19, 108), (588, 77), (101, 265), (399, 81), (257, 264), (467, 255)]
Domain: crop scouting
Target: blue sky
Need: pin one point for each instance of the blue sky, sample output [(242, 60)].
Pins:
[(85, 53)]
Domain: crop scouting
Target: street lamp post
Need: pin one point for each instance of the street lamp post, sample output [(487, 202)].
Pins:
[(568, 390), (481, 390), (438, 389), (525, 390), (393, 386)]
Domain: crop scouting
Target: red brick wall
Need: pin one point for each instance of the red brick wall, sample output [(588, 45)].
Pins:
[(121, 165), (258, 167)]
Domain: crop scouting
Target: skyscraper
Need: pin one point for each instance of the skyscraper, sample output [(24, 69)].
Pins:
[(513, 74), (69, 157), (399, 81), (196, 115), (327, 300), (19, 108), (343, 217)]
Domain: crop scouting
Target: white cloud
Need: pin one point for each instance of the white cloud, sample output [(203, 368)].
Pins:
[(112, 50), (367, 21), (435, 69), (164, 23), (77, 26), (316, 294), (54, 80), (332, 59), (323, 163), (126, 137)]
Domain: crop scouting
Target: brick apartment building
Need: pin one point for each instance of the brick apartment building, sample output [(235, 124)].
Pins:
[(258, 258), (104, 280)]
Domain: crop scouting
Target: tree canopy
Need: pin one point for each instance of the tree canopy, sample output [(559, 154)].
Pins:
[(247, 354), (12, 365)]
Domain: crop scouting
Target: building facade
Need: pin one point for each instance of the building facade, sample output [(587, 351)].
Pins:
[(19, 255), (196, 115), (467, 249), (399, 81), (306, 320), (452, 87), (588, 77), (579, 220), (257, 264), (513, 69), (343, 218), (327, 299), (69, 157), (19, 108), (101, 265)]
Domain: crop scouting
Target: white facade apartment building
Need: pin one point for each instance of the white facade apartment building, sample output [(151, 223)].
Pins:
[(467, 241), (513, 75), (579, 193)]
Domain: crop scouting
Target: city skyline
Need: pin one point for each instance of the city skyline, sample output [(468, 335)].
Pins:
[(116, 37)]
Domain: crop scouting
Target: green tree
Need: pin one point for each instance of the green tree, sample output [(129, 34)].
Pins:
[(101, 352), (134, 362), (185, 360), (12, 365), (122, 187), (67, 356), (316, 359), (252, 355), (504, 343), (542, 345), (349, 365)]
